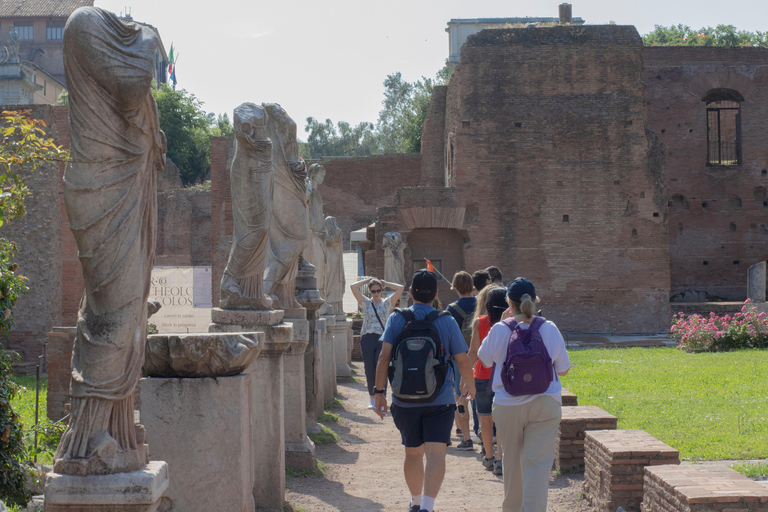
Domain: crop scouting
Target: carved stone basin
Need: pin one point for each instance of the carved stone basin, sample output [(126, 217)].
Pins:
[(200, 354)]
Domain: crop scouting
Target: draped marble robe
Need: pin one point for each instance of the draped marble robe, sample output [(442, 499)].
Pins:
[(289, 232), (110, 193), (335, 282), (317, 224), (242, 283)]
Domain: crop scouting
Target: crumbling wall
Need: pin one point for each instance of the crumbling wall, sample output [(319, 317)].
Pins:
[(717, 214), (560, 182)]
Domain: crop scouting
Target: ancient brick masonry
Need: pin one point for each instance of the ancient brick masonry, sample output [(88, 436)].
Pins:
[(58, 348), (672, 488), (717, 213), (555, 175), (576, 420), (614, 463)]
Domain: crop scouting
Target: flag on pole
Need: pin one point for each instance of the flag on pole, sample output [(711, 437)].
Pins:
[(172, 66), (430, 267)]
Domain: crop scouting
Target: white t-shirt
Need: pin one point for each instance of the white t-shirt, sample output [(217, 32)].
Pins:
[(494, 350)]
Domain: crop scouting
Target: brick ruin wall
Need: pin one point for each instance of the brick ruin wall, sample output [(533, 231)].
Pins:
[(39, 241), (561, 183), (355, 187), (47, 252), (717, 214)]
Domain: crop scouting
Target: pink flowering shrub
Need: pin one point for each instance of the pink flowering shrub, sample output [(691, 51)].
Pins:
[(697, 333)]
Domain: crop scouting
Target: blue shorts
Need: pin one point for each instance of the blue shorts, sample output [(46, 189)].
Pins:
[(484, 397), (419, 425)]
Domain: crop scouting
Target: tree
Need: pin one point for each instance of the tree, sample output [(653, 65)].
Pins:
[(721, 35), (398, 129), (325, 139), (187, 130), (23, 145)]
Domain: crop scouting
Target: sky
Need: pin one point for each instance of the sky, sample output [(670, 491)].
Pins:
[(329, 59)]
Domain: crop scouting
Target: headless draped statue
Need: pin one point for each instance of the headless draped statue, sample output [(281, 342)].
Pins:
[(289, 232), (394, 262), (251, 175), (335, 282), (317, 224), (110, 194)]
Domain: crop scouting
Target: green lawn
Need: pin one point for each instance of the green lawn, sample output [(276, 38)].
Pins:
[(24, 405), (710, 406)]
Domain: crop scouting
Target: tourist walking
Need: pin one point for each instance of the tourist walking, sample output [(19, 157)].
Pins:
[(462, 311), (496, 277), (526, 423), (424, 423), (375, 313), (491, 304)]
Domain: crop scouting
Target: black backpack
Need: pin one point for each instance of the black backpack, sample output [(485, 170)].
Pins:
[(418, 364), (466, 322)]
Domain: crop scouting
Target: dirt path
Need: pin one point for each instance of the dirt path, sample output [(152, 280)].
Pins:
[(365, 470)]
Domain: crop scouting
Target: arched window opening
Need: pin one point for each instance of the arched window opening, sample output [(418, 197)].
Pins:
[(723, 127)]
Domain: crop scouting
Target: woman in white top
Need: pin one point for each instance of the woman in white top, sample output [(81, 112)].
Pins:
[(375, 313), (527, 424)]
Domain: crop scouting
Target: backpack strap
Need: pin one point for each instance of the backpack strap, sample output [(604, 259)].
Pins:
[(457, 308), (510, 323), (537, 322), (407, 314)]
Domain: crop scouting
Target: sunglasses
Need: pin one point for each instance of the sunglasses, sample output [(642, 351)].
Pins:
[(376, 291)]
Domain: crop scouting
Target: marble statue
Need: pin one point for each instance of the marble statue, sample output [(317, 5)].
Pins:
[(13, 46), (317, 224), (110, 192), (334, 271), (251, 177), (394, 262), (289, 232)]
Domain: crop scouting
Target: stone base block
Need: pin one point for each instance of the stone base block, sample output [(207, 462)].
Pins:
[(576, 420), (343, 373), (569, 399), (202, 428), (137, 491), (673, 488), (614, 464), (300, 456), (246, 317)]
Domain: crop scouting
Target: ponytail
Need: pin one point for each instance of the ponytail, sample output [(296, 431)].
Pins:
[(527, 306)]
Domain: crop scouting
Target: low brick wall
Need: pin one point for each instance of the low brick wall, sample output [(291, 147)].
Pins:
[(569, 399), (671, 488), (614, 464), (576, 420), (58, 355)]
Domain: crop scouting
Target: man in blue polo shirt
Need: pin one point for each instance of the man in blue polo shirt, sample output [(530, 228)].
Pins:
[(425, 428)]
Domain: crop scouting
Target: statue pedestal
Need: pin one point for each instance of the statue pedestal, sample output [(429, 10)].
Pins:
[(340, 333), (202, 427), (267, 399), (309, 297), (299, 449), (329, 359), (137, 491)]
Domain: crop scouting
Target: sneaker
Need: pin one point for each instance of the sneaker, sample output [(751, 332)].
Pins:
[(488, 464), (370, 404), (465, 445), (476, 439), (414, 508), (458, 432), (497, 468)]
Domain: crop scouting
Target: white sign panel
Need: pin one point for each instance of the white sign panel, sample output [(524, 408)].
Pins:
[(185, 296)]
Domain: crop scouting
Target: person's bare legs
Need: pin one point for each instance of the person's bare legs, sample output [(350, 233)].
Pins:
[(462, 420), (486, 433), (435, 468), (413, 468)]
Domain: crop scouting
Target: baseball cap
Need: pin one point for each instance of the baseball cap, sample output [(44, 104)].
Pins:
[(519, 287), (424, 281)]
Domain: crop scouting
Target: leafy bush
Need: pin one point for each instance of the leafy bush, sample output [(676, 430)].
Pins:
[(745, 329), (12, 454)]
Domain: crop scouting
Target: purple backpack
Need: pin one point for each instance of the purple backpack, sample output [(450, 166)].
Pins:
[(527, 369)]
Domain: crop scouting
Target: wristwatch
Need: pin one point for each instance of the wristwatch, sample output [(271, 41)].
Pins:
[(378, 391)]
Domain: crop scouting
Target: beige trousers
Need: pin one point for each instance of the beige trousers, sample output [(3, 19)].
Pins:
[(528, 435)]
